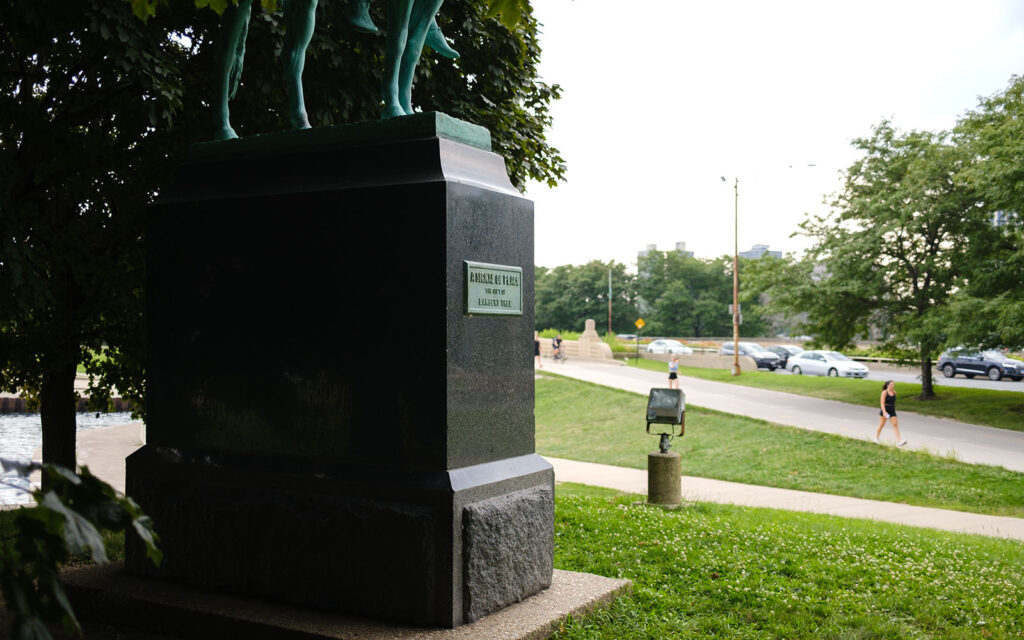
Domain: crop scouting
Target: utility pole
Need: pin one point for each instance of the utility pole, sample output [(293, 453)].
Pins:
[(736, 281), (609, 299)]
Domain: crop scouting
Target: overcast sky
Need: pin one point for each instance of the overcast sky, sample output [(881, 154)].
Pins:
[(664, 97)]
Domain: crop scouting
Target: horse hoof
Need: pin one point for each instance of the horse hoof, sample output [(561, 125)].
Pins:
[(224, 133), (393, 111), (437, 42), (358, 14)]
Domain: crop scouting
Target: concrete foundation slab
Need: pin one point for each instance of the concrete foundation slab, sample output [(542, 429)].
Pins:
[(111, 601)]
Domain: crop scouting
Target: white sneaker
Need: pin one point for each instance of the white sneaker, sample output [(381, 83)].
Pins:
[(902, 443), (876, 439)]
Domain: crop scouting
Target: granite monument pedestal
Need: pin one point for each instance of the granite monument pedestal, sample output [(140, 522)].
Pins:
[(340, 400)]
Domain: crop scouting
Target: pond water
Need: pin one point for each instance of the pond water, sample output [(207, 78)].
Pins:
[(21, 435)]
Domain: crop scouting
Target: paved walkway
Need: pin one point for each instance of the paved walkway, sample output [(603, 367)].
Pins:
[(966, 442), (705, 490)]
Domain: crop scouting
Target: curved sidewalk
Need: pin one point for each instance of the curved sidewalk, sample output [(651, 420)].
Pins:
[(104, 451), (705, 490), (965, 442)]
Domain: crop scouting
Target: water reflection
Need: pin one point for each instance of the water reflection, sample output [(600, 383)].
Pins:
[(21, 435)]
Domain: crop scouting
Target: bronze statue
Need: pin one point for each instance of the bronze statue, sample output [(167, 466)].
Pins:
[(411, 24)]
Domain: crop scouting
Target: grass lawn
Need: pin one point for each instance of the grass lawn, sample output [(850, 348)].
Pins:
[(717, 571), (588, 422), (1002, 409)]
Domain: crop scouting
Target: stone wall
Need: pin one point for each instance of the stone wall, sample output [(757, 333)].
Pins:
[(705, 360), (590, 346)]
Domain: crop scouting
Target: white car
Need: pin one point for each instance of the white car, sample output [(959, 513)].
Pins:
[(825, 363), (669, 346)]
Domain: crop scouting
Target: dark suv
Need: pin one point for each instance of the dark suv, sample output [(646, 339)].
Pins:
[(973, 362), (764, 358)]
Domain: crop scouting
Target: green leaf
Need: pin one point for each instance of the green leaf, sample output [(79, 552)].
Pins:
[(143, 9), (144, 527), (79, 534), (64, 472), (67, 613), (31, 628), (509, 12), (23, 469)]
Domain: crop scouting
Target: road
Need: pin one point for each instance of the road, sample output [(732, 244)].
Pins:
[(904, 374), (966, 442)]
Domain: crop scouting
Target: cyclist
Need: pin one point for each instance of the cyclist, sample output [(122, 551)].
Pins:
[(556, 347)]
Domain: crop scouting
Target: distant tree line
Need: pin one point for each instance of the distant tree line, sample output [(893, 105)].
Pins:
[(675, 294), (924, 244)]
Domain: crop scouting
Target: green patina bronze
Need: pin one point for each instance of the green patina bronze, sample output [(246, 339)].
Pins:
[(429, 124), (411, 25)]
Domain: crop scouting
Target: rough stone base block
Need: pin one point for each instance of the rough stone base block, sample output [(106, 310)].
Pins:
[(501, 560)]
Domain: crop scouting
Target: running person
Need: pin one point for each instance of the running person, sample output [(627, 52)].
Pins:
[(673, 372)]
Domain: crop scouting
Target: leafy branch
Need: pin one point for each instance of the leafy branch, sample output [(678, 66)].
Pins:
[(65, 524)]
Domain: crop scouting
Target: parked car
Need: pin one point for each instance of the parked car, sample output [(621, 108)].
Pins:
[(669, 346), (764, 358), (784, 351), (626, 336), (825, 363), (974, 362)]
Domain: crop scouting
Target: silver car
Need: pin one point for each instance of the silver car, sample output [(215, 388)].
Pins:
[(764, 358), (825, 363), (669, 346)]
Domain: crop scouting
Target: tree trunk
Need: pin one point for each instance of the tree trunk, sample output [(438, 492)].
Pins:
[(57, 407), (927, 392)]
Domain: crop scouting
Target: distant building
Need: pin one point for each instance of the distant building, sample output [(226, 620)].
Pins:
[(681, 250), (645, 252), (1003, 218), (759, 251)]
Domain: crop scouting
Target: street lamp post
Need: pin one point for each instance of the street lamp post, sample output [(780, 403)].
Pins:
[(609, 300), (736, 281), (736, 274)]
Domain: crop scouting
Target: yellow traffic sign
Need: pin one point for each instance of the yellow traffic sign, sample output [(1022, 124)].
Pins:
[(640, 323)]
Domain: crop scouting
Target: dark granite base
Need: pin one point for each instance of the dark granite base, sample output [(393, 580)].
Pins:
[(419, 547), (330, 420)]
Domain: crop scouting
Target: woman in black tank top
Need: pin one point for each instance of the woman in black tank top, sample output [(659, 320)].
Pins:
[(887, 411)]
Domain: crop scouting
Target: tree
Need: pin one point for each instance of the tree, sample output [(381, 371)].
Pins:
[(686, 296), (509, 12), (568, 295), (758, 278), (904, 235), (96, 108), (989, 310), (79, 114)]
